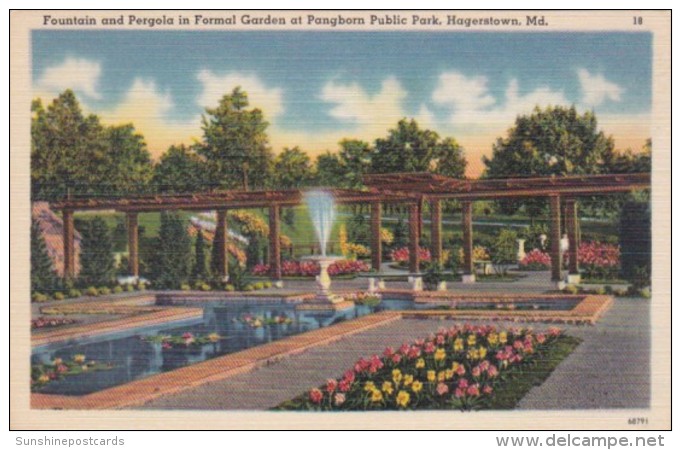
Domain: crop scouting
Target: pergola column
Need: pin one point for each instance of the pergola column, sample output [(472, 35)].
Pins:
[(436, 231), (69, 245), (275, 244), (556, 260), (414, 227), (467, 225), (220, 240), (572, 225), (376, 245), (133, 238)]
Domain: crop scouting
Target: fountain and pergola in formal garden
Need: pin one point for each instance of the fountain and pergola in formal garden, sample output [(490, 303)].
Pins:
[(410, 190)]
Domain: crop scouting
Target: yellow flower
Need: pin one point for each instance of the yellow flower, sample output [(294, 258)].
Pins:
[(503, 337), (482, 352), (214, 337), (431, 375), (387, 387), (402, 398), (440, 354), (416, 386), (43, 379), (458, 344), (473, 354), (376, 396), (397, 376), (408, 379), (369, 386), (420, 363), (441, 376), (471, 340), (455, 366), (493, 338), (449, 374), (57, 361), (79, 359)]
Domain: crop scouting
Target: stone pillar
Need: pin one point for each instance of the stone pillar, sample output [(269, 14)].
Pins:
[(556, 260), (414, 226), (275, 244), (436, 230), (376, 246), (220, 240), (69, 245), (467, 224), (133, 238), (572, 225)]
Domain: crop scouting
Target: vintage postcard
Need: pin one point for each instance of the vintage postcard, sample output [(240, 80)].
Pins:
[(341, 219)]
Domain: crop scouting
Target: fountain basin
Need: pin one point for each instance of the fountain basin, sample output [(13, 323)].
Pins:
[(324, 299)]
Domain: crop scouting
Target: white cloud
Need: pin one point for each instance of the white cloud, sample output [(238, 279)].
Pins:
[(353, 104), (470, 101), (596, 89), (80, 75), (215, 86)]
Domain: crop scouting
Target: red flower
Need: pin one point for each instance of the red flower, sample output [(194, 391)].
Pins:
[(473, 390), (331, 385), (316, 396)]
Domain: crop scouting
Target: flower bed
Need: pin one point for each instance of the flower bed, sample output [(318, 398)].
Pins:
[(535, 260), (311, 268), (42, 374), (51, 322), (401, 255), (370, 299), (459, 368), (599, 260)]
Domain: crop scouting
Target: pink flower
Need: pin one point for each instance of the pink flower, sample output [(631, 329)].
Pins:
[(492, 371), (541, 338), (475, 371), (316, 396), (388, 352), (473, 390), (404, 348), (331, 385), (440, 340), (61, 368), (429, 348), (349, 376), (487, 389), (442, 389), (463, 383), (458, 393), (460, 370), (396, 358), (414, 352), (344, 385), (339, 399)]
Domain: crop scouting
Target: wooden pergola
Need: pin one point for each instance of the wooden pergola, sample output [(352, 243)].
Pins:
[(410, 189)]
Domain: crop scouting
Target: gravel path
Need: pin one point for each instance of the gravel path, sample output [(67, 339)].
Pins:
[(610, 369)]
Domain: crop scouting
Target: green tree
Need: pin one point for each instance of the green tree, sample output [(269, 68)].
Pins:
[(355, 161), (292, 169), (199, 270), (329, 171), (408, 148), (127, 167), (179, 170), (97, 265), (43, 276), (68, 153), (170, 267), (504, 251), (552, 141), (235, 144)]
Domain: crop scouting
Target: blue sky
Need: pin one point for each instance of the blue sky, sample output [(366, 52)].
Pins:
[(318, 87)]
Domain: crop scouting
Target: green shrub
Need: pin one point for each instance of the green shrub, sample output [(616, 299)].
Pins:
[(599, 291), (185, 287), (267, 284), (621, 292), (259, 285), (141, 286), (608, 290), (248, 288), (205, 287), (104, 290), (433, 276), (129, 288), (58, 296), (645, 292), (229, 288), (39, 298), (117, 290), (92, 291), (73, 293)]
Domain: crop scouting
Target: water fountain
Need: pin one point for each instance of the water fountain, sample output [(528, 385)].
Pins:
[(322, 214)]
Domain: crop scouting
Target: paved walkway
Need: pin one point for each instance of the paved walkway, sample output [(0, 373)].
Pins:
[(610, 369)]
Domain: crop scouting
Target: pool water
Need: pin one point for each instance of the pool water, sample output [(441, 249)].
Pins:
[(134, 356)]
